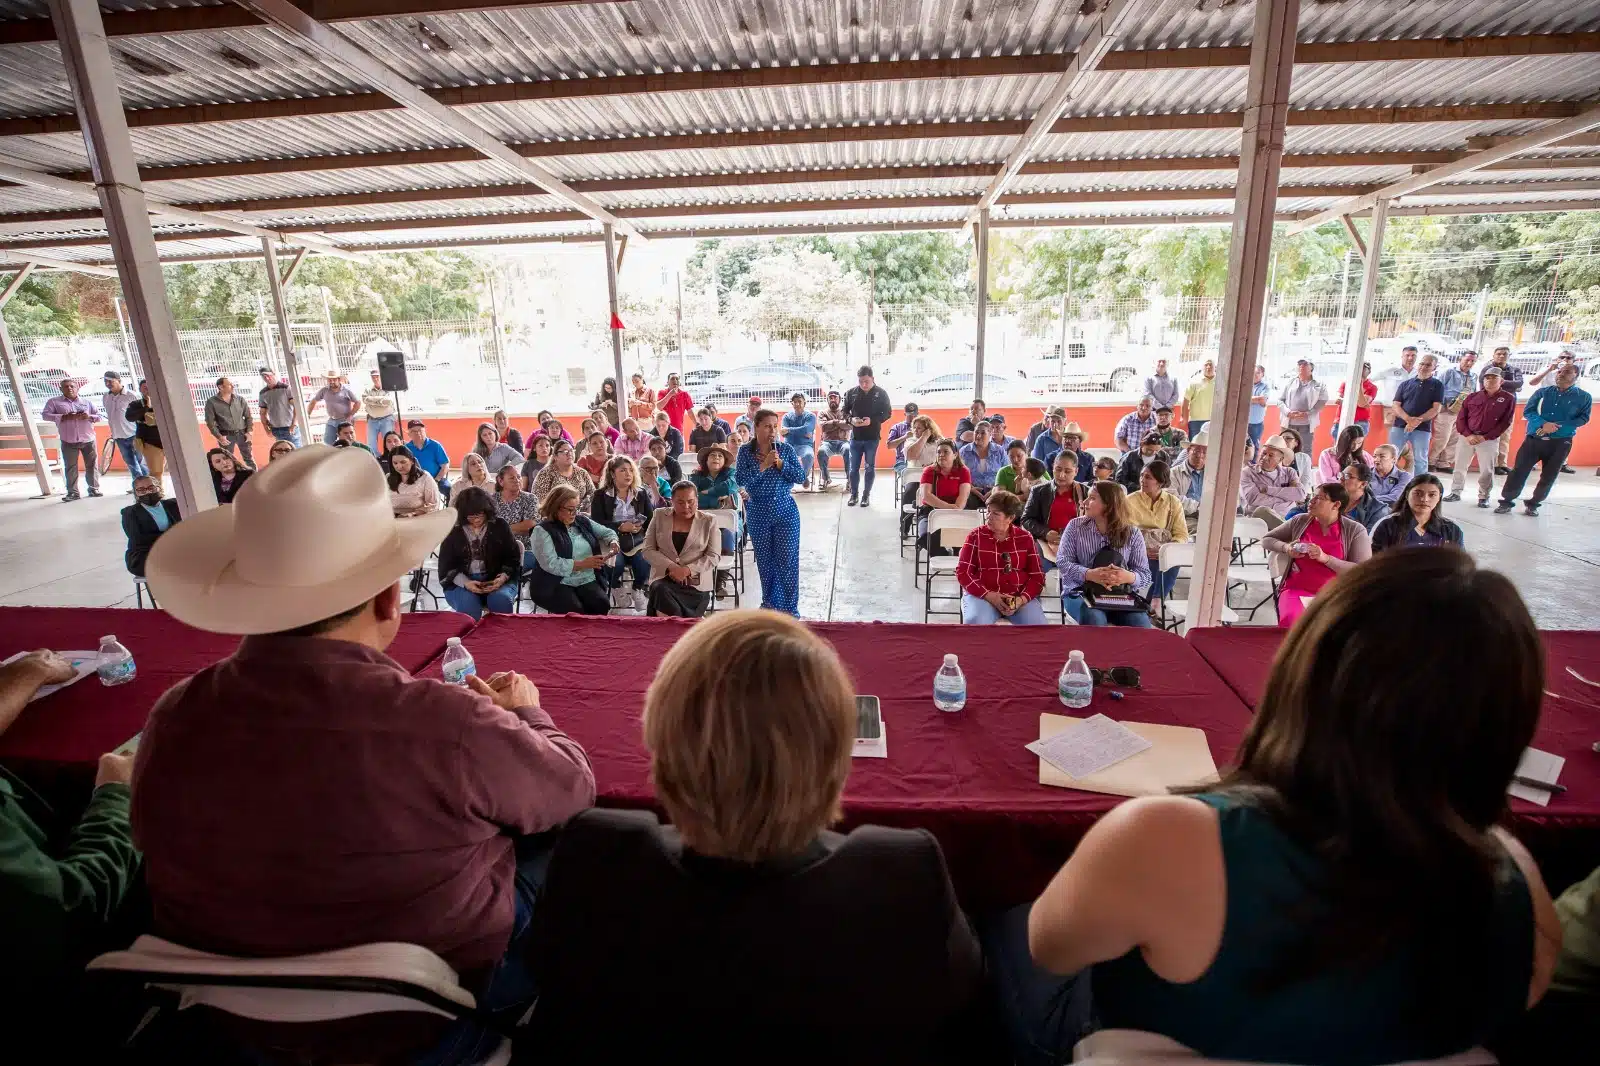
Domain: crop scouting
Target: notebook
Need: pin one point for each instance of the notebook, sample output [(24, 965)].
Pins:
[(1178, 755)]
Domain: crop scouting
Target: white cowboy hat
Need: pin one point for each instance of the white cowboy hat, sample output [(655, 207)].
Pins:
[(1274, 441), (1203, 438), (310, 535)]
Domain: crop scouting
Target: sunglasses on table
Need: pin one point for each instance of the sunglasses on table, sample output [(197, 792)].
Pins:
[(1121, 676)]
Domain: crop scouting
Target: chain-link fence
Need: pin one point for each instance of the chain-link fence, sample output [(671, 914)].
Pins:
[(928, 351)]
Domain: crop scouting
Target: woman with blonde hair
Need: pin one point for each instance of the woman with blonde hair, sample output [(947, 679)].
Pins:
[(475, 472), (1104, 550), (745, 916)]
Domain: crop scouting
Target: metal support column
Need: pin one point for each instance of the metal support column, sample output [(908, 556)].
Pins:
[(1244, 307), (680, 329), (1478, 320), (41, 462), (1358, 330), (982, 232), (616, 334), (82, 36), (280, 312), (499, 343)]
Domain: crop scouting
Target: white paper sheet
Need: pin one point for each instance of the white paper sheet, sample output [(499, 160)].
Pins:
[(1541, 766), (83, 664), (1090, 746)]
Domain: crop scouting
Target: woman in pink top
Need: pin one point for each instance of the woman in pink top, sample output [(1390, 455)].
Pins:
[(1346, 450), (1320, 544)]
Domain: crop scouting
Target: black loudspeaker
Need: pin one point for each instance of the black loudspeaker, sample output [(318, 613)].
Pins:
[(392, 371)]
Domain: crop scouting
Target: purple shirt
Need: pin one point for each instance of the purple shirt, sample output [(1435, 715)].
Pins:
[(72, 430), (307, 794)]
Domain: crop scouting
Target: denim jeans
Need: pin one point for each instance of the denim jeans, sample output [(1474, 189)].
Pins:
[(1165, 581), (376, 428), (1253, 431), (241, 441), (1362, 424), (1085, 615), (808, 458), (330, 432), (635, 562), (1045, 1014), (862, 453), (829, 449), (980, 612), (502, 600), (288, 433), (511, 989), (1419, 439), (130, 455)]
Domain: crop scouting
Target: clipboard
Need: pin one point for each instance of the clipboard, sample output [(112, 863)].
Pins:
[(1179, 755)]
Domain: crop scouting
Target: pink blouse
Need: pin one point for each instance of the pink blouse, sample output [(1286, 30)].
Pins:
[(1328, 468)]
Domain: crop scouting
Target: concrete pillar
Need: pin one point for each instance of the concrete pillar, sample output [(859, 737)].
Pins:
[(82, 36), (1260, 157), (981, 233), (1358, 329), (30, 429)]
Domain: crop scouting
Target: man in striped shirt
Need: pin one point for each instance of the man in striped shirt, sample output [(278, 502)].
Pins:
[(1136, 425)]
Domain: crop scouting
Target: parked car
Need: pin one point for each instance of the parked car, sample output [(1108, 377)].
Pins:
[(773, 382), (699, 379), (1532, 358), (956, 389), (1086, 368)]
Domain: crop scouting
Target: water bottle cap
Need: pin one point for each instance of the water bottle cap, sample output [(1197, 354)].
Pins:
[(453, 641), (1075, 654), (108, 636), (950, 660)]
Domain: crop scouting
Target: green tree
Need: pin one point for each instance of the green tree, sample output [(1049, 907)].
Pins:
[(920, 275), (801, 296)]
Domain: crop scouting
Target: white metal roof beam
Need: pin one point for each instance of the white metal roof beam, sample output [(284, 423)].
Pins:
[(1539, 138), (45, 262), (13, 170), (1100, 39), (290, 19)]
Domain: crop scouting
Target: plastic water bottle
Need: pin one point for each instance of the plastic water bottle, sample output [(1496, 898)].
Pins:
[(950, 686), (115, 665), (458, 664), (1075, 686)]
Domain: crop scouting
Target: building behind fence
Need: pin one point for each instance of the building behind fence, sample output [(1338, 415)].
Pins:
[(919, 350)]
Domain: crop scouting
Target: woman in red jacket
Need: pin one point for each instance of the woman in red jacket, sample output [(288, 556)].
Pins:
[(999, 568)]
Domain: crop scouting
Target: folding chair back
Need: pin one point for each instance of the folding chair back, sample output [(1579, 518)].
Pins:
[(398, 994)]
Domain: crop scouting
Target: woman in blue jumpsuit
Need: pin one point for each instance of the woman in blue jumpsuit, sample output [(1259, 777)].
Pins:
[(768, 469)]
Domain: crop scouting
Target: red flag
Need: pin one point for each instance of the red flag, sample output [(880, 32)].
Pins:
[(616, 323)]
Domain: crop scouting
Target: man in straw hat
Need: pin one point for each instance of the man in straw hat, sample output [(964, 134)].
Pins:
[(1189, 476), (1270, 488), (306, 793), (1041, 427)]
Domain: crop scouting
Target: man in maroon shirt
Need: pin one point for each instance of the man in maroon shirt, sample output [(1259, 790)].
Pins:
[(307, 793), (1485, 417)]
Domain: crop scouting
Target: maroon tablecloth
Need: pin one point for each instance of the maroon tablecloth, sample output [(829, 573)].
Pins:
[(1568, 830), (73, 727), (964, 776)]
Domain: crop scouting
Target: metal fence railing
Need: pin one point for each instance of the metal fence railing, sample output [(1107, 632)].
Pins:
[(1032, 348)]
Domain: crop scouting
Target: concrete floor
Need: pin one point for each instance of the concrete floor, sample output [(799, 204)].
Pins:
[(59, 554)]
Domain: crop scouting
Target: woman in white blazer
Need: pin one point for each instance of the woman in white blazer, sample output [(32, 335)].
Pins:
[(682, 546)]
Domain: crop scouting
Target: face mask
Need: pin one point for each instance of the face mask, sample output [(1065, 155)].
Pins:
[(149, 499)]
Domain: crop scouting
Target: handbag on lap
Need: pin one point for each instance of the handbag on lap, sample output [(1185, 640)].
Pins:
[(1116, 597)]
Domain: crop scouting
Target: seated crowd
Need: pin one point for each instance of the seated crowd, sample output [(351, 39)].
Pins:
[(1342, 896)]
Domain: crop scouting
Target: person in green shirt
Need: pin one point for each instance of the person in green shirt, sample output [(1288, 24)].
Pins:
[(1020, 473), (62, 884)]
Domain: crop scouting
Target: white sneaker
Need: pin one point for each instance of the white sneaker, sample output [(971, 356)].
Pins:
[(639, 599), (620, 598)]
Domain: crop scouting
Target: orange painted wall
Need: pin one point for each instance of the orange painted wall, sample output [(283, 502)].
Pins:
[(456, 432)]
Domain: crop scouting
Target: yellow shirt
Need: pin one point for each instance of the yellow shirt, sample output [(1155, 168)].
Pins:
[(1197, 399), (1164, 512)]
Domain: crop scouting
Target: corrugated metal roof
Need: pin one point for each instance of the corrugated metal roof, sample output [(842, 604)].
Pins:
[(647, 36)]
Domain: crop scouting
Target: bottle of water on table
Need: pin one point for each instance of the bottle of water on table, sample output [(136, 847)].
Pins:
[(950, 686), (458, 664), (115, 665), (1075, 686)]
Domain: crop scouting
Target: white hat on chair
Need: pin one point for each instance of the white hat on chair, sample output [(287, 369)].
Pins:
[(308, 536)]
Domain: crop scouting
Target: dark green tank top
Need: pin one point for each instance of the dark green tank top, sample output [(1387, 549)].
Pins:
[(1350, 1018)]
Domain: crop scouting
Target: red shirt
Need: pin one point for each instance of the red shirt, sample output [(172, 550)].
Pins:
[(679, 405), (1063, 509), (1369, 392), (946, 486), (595, 467), (271, 828), (988, 565)]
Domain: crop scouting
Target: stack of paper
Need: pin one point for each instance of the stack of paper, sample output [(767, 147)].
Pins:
[(1538, 766), (1121, 758)]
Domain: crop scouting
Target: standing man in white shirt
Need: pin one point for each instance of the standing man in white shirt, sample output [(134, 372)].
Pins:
[(1302, 402), (116, 403), (379, 406)]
